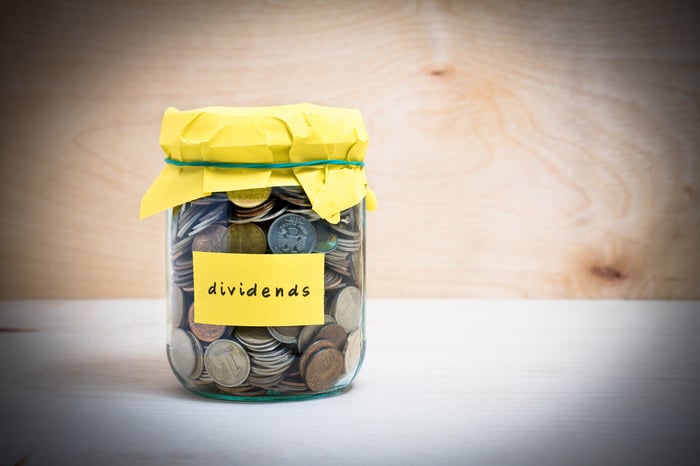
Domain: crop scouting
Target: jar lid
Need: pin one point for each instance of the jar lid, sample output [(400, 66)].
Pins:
[(215, 149)]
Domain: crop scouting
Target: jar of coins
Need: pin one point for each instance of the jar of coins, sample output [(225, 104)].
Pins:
[(265, 249)]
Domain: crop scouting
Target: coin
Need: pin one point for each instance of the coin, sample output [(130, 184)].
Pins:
[(314, 347), (353, 351), (288, 335), (255, 337), (177, 306), (185, 354), (291, 234), (308, 332), (324, 369), (249, 198), (245, 238), (242, 390), (210, 239), (326, 238), (227, 363), (346, 308), (334, 333), (206, 332)]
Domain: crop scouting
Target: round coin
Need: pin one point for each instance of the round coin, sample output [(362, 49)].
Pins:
[(326, 239), (291, 234), (185, 354), (206, 332), (346, 308), (308, 332), (353, 351), (289, 335), (249, 198), (210, 239), (334, 333), (227, 363), (177, 306), (324, 369), (245, 238), (313, 348)]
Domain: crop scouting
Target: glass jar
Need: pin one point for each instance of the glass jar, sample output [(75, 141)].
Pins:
[(265, 289)]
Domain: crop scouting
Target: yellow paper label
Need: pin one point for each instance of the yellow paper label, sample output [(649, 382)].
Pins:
[(258, 289)]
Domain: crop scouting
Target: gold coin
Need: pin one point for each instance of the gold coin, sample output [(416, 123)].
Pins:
[(249, 198), (245, 238)]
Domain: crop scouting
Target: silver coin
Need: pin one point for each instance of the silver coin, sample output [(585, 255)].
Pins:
[(255, 337), (227, 363), (177, 306), (287, 335), (213, 216), (346, 308), (353, 351), (291, 234), (185, 354)]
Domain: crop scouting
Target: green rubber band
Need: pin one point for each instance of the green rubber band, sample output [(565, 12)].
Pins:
[(311, 163)]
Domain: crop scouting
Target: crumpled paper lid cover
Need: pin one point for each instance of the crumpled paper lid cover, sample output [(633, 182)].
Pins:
[(263, 135)]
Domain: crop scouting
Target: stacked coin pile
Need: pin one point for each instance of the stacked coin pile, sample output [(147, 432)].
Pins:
[(267, 361)]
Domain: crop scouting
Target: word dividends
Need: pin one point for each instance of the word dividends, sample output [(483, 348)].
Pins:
[(223, 289)]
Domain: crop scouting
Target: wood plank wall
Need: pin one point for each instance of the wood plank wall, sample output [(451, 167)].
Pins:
[(518, 149)]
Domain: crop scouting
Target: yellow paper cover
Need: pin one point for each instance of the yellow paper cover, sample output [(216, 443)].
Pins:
[(287, 133)]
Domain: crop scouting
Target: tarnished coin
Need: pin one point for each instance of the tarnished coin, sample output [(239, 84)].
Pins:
[(206, 332), (291, 234), (308, 332), (185, 354), (346, 308), (334, 333), (314, 347), (227, 363), (289, 335), (353, 351), (324, 369), (210, 239), (326, 238), (245, 238), (249, 198)]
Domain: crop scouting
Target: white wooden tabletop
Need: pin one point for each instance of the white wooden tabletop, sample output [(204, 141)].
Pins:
[(484, 382)]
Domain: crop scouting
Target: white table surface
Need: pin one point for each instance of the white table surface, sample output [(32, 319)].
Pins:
[(483, 382)]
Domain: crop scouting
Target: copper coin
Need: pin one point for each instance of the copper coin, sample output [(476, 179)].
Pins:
[(307, 334), (206, 332), (313, 348), (324, 369), (210, 239), (245, 238), (334, 333)]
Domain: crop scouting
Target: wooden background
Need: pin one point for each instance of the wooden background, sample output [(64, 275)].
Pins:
[(518, 149)]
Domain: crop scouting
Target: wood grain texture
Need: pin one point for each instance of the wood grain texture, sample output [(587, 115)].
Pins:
[(518, 149), (491, 382)]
